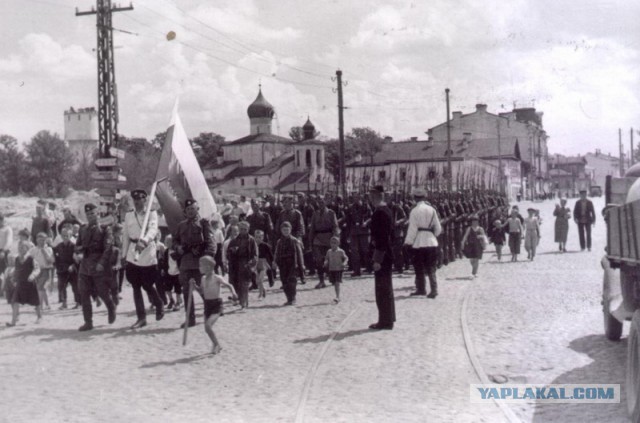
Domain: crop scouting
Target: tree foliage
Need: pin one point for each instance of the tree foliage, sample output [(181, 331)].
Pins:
[(12, 165), (206, 147), (49, 165), (365, 141), (140, 162)]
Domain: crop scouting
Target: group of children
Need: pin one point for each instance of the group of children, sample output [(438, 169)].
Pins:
[(518, 229)]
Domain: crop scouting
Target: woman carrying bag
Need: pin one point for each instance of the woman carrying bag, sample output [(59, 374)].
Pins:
[(474, 242)]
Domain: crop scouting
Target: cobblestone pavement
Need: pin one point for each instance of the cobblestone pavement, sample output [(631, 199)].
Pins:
[(541, 322), (532, 322)]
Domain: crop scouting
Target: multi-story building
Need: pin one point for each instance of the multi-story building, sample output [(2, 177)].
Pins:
[(522, 125), (569, 174), (602, 165)]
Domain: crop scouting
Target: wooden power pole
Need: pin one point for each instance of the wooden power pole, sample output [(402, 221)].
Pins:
[(621, 152), (449, 151), (500, 171), (631, 149), (343, 169)]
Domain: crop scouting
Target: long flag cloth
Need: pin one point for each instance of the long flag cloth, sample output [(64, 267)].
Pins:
[(180, 177)]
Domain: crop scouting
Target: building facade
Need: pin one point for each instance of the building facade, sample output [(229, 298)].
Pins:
[(81, 133), (569, 174), (602, 165), (403, 166), (263, 163), (524, 125)]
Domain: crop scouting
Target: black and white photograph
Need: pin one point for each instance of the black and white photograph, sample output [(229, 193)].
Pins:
[(320, 211)]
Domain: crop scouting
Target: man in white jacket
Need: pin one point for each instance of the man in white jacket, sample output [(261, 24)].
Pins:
[(422, 237)]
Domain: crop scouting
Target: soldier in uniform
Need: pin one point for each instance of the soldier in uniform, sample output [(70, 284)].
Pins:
[(94, 244), (357, 221), (424, 228), (324, 226), (140, 258), (306, 209), (399, 220), (381, 236), (192, 241)]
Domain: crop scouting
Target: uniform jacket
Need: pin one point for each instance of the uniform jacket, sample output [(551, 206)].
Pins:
[(424, 226), (324, 225), (194, 236), (294, 217), (94, 243), (357, 215), (381, 236)]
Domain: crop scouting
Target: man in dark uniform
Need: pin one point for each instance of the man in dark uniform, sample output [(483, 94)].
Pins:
[(381, 241), (324, 226), (192, 241), (306, 209), (399, 221), (94, 244)]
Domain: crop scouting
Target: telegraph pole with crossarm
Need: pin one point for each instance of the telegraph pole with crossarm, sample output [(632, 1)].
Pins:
[(107, 92)]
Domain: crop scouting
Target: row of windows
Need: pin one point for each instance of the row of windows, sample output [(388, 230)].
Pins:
[(79, 116)]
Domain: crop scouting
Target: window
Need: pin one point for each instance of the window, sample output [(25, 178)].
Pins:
[(298, 158), (69, 118), (255, 181), (242, 181), (78, 117), (308, 158), (382, 174), (318, 161), (403, 175), (318, 178)]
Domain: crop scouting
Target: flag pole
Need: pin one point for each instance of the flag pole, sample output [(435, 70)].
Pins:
[(147, 214)]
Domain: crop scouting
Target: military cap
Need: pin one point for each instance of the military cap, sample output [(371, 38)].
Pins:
[(531, 209), (189, 202), (285, 223), (287, 198), (89, 207), (139, 194), (582, 190), (378, 188), (419, 192)]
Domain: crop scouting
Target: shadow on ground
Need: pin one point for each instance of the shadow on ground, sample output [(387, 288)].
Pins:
[(608, 367), (322, 338)]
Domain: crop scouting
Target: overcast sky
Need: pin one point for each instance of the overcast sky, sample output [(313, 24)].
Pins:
[(577, 61)]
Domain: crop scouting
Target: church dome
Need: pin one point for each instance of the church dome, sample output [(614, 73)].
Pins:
[(260, 108), (308, 126)]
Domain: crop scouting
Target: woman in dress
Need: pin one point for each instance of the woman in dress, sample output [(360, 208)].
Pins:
[(25, 273), (474, 243), (563, 215)]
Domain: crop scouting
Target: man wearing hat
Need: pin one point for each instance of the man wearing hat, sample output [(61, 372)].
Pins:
[(358, 216), (294, 217), (422, 236), (94, 244), (381, 242), (584, 216), (324, 226), (192, 241), (139, 252)]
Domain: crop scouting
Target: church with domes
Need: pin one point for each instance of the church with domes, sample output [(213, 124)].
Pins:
[(264, 163)]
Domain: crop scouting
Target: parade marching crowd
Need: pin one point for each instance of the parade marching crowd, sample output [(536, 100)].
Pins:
[(253, 243)]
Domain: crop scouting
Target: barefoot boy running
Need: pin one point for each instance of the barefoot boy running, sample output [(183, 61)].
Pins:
[(210, 290)]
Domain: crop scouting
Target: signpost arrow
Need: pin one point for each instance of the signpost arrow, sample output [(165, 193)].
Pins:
[(116, 152), (105, 175), (112, 162)]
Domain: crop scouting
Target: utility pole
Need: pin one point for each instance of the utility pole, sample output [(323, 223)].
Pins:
[(107, 92), (621, 153), (631, 145), (500, 171), (343, 172), (449, 182)]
